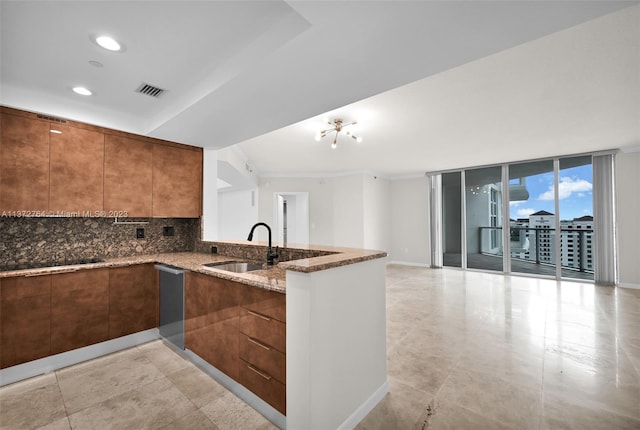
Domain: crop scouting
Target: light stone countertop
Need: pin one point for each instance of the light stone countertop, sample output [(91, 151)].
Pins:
[(270, 278)]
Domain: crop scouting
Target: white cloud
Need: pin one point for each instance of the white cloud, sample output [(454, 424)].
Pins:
[(566, 188), (516, 203), (525, 212)]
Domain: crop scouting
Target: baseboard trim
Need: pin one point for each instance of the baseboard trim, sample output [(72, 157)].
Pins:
[(407, 263), (64, 359), (365, 408), (236, 388), (629, 285)]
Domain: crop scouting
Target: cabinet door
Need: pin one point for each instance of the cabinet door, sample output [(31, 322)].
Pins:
[(211, 321), (177, 182), (128, 165), (133, 299), (79, 309), (25, 314), (24, 164), (77, 165)]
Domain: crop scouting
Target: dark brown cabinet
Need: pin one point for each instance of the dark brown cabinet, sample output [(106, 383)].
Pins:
[(67, 168), (76, 169), (24, 164), (133, 299), (177, 181), (48, 314), (240, 330), (263, 344), (79, 309), (25, 319), (128, 166), (211, 321)]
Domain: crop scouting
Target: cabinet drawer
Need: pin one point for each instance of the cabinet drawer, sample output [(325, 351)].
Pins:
[(264, 386), (264, 357), (264, 329), (267, 303)]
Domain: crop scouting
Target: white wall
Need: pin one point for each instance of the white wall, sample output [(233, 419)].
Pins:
[(336, 345), (320, 205), (377, 213), (348, 211), (209, 194), (628, 211), (351, 211), (237, 212), (409, 232)]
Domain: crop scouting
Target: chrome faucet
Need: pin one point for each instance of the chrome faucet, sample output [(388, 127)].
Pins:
[(271, 255)]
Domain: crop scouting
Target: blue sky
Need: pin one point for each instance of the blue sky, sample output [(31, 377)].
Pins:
[(575, 192)]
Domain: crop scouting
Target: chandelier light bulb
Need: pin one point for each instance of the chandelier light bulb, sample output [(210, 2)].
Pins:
[(335, 127)]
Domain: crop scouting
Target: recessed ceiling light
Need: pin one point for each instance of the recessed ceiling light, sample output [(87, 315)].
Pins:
[(108, 43), (82, 91)]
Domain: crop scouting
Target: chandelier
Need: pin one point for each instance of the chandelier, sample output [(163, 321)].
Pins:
[(336, 126)]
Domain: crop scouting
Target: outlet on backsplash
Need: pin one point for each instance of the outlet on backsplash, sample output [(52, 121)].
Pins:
[(58, 240)]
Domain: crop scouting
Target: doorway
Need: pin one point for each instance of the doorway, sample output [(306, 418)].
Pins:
[(291, 215)]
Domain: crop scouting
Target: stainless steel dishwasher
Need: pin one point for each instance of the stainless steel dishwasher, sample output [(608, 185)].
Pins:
[(172, 304)]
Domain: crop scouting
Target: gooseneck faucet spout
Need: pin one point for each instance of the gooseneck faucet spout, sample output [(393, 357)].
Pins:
[(271, 255)]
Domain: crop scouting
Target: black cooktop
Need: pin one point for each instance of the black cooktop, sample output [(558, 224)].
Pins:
[(38, 265)]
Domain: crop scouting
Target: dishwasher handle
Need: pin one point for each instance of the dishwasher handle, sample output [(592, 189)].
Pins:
[(169, 269)]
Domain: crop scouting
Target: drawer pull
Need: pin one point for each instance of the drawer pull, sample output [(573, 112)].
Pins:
[(255, 314), (264, 375), (260, 344)]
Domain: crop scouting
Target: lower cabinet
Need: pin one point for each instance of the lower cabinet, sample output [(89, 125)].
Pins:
[(240, 330), (211, 321), (79, 309), (25, 319), (48, 314), (133, 299)]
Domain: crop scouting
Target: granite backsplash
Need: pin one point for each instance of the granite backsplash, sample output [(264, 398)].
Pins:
[(56, 241), (257, 252)]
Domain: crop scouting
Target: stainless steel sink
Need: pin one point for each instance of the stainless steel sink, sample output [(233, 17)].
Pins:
[(235, 266)]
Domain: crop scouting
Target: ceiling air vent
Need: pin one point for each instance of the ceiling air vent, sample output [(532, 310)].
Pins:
[(150, 90)]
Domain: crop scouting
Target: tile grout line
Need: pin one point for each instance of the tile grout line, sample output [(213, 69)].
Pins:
[(64, 403)]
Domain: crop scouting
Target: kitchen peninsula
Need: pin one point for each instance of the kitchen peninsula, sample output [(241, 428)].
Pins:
[(335, 325)]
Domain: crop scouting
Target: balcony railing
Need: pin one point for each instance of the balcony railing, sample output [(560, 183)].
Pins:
[(537, 246)]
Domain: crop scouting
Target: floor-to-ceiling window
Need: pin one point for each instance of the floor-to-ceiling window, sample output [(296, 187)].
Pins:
[(532, 219), (575, 202), (452, 219), (483, 204), (538, 220)]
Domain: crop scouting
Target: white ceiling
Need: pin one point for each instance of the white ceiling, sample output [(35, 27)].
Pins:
[(471, 82)]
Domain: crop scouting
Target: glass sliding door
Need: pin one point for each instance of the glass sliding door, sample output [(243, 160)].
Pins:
[(532, 218), (538, 219), (483, 204), (575, 198), (452, 219)]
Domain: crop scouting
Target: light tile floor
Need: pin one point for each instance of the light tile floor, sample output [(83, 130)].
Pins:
[(466, 350)]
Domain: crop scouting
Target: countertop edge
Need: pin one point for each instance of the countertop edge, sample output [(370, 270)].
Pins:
[(194, 262)]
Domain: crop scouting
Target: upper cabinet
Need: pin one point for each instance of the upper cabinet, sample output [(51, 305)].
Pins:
[(24, 164), (128, 166), (76, 169), (50, 166), (177, 181)]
